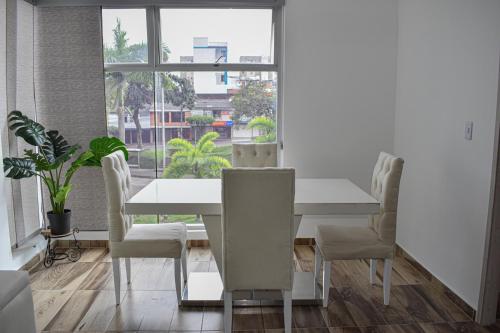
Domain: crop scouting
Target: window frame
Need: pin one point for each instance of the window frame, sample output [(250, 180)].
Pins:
[(153, 21)]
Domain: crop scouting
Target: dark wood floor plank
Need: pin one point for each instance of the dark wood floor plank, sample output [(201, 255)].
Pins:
[(337, 314), (245, 319), (345, 330), (308, 317), (417, 307), (441, 304), (408, 272), (187, 319), (73, 297), (362, 310), (394, 313), (273, 317), (396, 278)]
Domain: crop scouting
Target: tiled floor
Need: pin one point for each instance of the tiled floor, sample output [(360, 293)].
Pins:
[(79, 297)]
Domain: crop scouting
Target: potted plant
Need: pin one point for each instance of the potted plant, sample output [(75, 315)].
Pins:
[(48, 161)]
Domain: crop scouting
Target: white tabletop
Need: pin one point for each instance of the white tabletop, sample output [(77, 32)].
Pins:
[(203, 196)]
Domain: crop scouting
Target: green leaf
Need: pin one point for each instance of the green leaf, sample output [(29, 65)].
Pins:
[(51, 186), (176, 170), (80, 161), (17, 168), (40, 161), (31, 131), (62, 194), (57, 149), (206, 138), (178, 143), (104, 146)]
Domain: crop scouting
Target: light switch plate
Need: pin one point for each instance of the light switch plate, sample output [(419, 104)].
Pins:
[(468, 130)]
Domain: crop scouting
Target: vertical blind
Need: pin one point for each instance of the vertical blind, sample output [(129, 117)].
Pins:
[(70, 98), (21, 195)]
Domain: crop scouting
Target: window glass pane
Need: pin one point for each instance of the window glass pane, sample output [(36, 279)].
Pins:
[(196, 106), (216, 35), (124, 36), (129, 101), (129, 105)]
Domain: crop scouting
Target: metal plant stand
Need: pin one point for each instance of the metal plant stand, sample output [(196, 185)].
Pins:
[(73, 254)]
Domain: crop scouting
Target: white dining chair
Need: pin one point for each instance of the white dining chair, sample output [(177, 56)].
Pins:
[(257, 233), (375, 241), (255, 155), (128, 240)]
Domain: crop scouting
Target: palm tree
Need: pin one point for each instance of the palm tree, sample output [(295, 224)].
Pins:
[(116, 85), (128, 92), (199, 160), (266, 126)]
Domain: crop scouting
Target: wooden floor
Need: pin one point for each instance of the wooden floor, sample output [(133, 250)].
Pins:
[(79, 297)]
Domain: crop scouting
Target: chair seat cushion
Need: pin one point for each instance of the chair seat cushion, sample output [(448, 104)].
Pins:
[(343, 243), (151, 241)]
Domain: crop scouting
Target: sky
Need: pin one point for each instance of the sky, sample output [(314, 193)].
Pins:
[(246, 31)]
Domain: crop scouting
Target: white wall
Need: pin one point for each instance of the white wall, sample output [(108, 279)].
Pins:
[(448, 58), (339, 89), (339, 86)]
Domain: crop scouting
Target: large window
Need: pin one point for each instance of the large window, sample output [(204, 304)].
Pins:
[(183, 84)]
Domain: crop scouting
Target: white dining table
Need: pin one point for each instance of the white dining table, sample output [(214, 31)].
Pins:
[(318, 196)]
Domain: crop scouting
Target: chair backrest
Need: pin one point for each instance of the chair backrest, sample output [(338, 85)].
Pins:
[(257, 224), (117, 180), (255, 155), (385, 188)]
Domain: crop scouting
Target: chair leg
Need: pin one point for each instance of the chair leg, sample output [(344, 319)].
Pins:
[(327, 268), (127, 268), (373, 270), (287, 310), (317, 263), (116, 276), (387, 280), (228, 311), (177, 273), (184, 264)]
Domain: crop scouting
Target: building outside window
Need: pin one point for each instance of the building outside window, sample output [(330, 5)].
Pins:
[(188, 82)]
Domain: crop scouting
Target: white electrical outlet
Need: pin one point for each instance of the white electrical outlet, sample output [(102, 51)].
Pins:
[(468, 130)]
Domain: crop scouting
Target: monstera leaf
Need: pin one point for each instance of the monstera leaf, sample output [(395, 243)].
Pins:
[(103, 146), (18, 168), (40, 161), (56, 148), (31, 131)]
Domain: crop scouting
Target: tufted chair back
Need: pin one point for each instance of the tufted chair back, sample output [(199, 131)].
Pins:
[(257, 228), (118, 190), (255, 155), (385, 188)]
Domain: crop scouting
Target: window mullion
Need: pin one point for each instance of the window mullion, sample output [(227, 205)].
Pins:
[(157, 36), (152, 41), (200, 67)]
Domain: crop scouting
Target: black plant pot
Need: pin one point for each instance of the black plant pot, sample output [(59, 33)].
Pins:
[(60, 224)]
